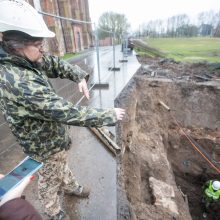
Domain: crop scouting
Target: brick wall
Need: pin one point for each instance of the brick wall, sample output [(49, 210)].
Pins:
[(70, 37)]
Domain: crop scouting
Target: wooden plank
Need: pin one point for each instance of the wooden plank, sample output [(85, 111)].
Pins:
[(104, 137)]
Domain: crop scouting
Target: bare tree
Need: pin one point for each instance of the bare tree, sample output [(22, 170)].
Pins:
[(113, 22)]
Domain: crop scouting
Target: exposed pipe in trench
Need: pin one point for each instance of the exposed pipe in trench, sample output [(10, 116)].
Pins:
[(195, 145)]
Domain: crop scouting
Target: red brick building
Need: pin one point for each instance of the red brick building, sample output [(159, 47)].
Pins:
[(70, 36)]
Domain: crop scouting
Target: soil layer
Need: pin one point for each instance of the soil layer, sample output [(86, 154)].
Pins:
[(160, 171)]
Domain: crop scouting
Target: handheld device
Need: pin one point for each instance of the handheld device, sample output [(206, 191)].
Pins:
[(25, 168)]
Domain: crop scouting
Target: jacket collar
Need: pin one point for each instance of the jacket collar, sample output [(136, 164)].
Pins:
[(17, 60)]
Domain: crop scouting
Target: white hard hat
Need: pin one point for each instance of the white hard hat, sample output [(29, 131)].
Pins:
[(18, 15), (216, 185)]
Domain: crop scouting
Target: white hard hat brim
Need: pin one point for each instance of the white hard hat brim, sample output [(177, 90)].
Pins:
[(44, 33)]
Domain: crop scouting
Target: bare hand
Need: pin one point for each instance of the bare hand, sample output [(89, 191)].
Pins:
[(17, 191), (83, 88), (120, 113)]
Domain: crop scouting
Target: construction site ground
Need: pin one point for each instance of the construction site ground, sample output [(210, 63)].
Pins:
[(159, 173), (171, 108)]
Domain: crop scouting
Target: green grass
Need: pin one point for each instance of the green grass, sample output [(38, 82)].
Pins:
[(188, 49), (68, 55)]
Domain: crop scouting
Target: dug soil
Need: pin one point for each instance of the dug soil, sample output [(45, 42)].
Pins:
[(170, 139)]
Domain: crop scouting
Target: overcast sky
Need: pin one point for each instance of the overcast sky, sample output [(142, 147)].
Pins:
[(140, 11)]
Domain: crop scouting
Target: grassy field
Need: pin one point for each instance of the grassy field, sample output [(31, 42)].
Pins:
[(188, 49)]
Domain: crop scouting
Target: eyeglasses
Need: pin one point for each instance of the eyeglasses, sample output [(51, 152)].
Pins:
[(37, 44)]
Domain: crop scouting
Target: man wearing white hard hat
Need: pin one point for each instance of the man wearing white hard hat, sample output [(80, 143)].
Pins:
[(36, 115), (211, 194)]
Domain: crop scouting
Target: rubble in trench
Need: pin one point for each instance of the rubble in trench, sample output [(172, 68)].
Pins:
[(160, 173)]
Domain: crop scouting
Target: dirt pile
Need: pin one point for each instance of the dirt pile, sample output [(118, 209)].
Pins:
[(160, 173)]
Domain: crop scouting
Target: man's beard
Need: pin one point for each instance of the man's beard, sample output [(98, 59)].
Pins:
[(37, 64)]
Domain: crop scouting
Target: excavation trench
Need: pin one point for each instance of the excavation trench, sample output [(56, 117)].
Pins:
[(160, 173)]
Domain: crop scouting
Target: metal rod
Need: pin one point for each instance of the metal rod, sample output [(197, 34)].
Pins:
[(97, 52), (64, 18), (113, 41)]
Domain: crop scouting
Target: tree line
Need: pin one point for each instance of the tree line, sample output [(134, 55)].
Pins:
[(205, 24)]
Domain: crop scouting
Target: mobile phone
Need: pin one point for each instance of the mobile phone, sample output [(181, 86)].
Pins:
[(25, 168)]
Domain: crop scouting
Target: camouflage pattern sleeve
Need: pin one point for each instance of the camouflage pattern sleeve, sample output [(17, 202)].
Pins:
[(55, 67), (40, 101)]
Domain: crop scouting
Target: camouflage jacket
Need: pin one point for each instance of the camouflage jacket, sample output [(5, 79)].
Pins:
[(36, 115)]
